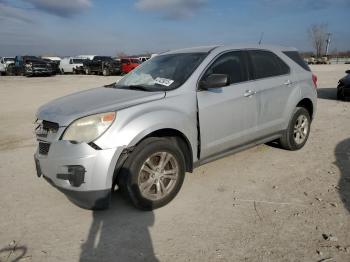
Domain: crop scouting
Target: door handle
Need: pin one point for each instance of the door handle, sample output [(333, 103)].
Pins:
[(249, 93)]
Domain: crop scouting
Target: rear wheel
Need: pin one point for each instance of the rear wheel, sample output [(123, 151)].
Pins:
[(87, 71), (153, 173), (298, 130), (105, 72)]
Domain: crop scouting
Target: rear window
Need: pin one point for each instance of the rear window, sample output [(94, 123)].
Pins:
[(295, 56), (267, 64)]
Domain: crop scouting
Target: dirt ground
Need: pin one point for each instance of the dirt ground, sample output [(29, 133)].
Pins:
[(263, 204)]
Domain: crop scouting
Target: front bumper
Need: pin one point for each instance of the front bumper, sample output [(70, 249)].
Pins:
[(95, 182), (38, 71)]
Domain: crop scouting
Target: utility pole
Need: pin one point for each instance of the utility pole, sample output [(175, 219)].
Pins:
[(261, 37), (328, 41)]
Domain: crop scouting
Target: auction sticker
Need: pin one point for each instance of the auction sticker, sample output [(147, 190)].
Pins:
[(163, 81)]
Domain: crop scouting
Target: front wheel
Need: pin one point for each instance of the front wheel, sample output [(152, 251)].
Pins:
[(297, 133), (153, 173)]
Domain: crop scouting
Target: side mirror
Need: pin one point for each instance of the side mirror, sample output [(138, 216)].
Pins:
[(214, 81), (347, 71)]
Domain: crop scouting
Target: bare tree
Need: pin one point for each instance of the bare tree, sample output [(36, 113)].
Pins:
[(318, 35)]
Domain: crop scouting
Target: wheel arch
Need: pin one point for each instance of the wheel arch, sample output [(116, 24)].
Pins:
[(308, 105), (178, 137)]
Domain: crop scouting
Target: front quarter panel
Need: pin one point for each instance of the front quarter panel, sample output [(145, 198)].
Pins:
[(177, 111)]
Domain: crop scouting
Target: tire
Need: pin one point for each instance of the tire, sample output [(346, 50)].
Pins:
[(105, 72), (141, 170), (295, 137), (87, 71), (62, 71), (74, 71), (340, 93)]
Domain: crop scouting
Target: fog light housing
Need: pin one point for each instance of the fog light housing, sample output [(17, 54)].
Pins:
[(75, 175)]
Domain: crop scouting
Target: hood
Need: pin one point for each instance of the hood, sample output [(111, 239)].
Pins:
[(345, 80), (66, 109)]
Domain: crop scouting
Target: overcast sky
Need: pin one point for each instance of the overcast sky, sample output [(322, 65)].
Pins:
[(106, 27)]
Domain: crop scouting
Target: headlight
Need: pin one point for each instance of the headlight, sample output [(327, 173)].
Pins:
[(89, 128)]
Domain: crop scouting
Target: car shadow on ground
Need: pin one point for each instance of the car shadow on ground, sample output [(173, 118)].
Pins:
[(120, 233), (327, 93), (342, 154)]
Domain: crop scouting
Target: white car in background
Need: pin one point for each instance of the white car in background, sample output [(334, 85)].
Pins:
[(72, 65), (52, 58), (4, 62)]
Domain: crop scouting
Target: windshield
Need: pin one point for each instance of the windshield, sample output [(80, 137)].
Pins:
[(163, 72), (78, 61), (9, 59), (103, 58)]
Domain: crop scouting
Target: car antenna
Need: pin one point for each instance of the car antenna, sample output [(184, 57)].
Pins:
[(261, 37)]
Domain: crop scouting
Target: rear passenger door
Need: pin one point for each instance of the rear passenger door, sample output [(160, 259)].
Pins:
[(274, 85), (227, 115)]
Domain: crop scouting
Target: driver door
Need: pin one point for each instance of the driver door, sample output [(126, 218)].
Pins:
[(227, 115)]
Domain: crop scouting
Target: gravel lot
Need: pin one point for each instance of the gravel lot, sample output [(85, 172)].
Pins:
[(263, 204)]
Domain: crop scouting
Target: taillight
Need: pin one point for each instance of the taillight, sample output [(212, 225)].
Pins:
[(314, 79)]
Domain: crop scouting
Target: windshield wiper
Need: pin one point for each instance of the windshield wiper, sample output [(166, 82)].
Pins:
[(133, 87)]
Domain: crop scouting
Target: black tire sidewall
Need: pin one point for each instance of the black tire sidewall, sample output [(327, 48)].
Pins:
[(298, 112), (135, 161)]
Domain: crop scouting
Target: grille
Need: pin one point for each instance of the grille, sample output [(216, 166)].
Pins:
[(44, 148)]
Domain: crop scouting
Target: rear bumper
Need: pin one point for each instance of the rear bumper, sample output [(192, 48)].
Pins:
[(91, 186)]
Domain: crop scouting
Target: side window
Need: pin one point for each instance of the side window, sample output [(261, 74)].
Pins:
[(267, 64), (231, 64)]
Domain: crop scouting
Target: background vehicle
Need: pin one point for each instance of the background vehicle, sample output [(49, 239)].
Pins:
[(343, 89), (30, 66), (129, 64), (323, 60), (72, 65), (54, 62), (311, 60), (173, 113), (4, 62), (104, 65), (143, 58)]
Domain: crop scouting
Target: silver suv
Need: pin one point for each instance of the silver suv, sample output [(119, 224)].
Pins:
[(178, 110)]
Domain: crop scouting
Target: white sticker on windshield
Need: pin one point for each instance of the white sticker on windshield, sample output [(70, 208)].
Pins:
[(163, 81)]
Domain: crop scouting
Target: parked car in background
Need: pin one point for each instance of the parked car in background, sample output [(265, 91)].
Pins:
[(323, 61), (30, 66), (55, 63), (89, 57), (72, 65), (311, 60), (143, 58), (4, 62), (104, 65), (173, 113), (343, 89), (129, 64)]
